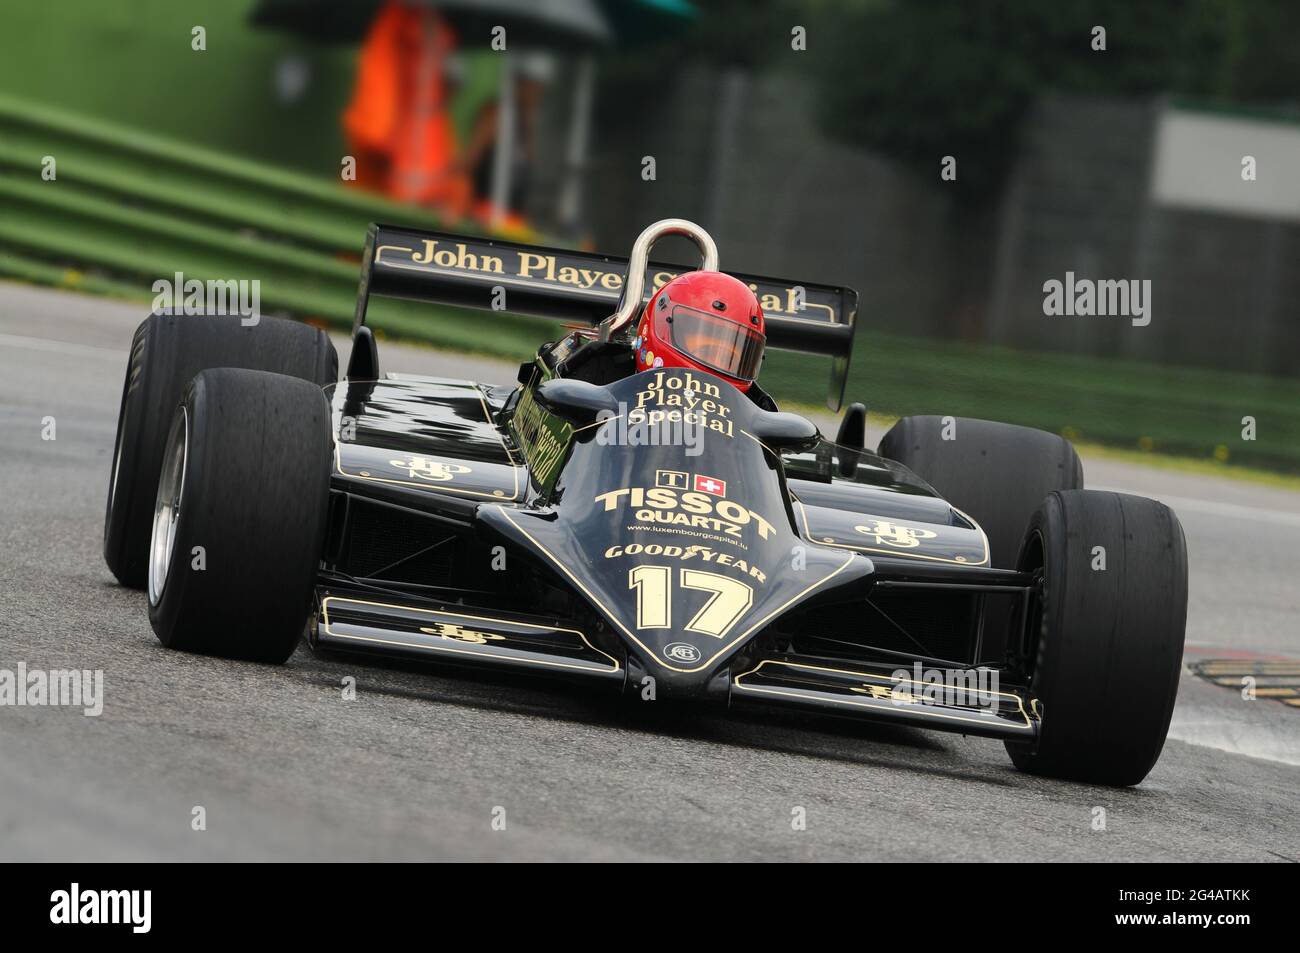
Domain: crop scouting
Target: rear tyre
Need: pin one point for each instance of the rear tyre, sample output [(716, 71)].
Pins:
[(995, 473), (240, 515), (1107, 644), (166, 352)]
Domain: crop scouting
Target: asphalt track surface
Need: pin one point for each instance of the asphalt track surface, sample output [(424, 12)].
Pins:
[(416, 766)]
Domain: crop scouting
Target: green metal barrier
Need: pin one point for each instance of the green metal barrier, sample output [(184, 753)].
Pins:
[(132, 164), (126, 208)]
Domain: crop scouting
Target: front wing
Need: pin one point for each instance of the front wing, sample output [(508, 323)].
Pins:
[(426, 630)]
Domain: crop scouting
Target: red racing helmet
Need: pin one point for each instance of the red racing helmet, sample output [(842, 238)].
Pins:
[(706, 321)]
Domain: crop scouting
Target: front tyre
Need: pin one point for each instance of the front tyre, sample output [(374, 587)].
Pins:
[(166, 352), (1105, 656), (239, 519)]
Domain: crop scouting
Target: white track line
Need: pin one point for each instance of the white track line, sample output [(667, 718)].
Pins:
[(1214, 508), (61, 347)]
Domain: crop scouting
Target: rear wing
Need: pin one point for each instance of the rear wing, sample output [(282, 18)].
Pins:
[(570, 285)]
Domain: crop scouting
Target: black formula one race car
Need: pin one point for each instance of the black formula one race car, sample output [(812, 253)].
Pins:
[(958, 578)]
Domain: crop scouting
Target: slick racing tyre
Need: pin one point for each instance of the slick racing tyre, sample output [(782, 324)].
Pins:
[(995, 473), (1106, 642), (240, 515), (166, 352)]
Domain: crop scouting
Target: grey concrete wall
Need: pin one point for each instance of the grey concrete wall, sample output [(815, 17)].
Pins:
[(742, 156), (1225, 288)]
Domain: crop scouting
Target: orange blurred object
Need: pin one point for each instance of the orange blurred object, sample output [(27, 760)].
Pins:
[(512, 225), (398, 125)]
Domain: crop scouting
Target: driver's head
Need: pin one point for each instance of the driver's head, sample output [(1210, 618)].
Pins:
[(706, 321)]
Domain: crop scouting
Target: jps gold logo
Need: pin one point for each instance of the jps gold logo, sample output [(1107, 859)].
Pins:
[(429, 469), (892, 534), (449, 630), (885, 693)]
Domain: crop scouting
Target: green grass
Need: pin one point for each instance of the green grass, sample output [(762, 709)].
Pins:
[(1149, 408)]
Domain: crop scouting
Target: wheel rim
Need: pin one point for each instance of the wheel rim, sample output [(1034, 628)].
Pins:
[(167, 506)]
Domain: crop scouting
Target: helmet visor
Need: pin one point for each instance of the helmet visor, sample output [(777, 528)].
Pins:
[(720, 344)]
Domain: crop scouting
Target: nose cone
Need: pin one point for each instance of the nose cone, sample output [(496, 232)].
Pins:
[(672, 521), (682, 608)]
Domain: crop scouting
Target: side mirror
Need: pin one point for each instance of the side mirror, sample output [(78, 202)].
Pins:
[(784, 432), (363, 368), (578, 402)]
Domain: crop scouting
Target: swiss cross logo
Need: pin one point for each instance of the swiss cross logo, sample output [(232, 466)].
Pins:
[(707, 484)]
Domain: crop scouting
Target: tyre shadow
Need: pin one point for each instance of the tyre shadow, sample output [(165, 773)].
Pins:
[(814, 735)]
